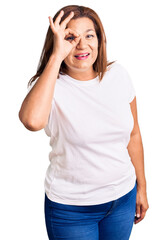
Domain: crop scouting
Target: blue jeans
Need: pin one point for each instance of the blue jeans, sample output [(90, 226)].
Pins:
[(108, 221)]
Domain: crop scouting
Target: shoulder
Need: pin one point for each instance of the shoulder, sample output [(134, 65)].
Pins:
[(120, 74), (118, 71), (118, 67)]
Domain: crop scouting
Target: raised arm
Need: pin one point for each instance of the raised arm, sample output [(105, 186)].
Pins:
[(35, 109)]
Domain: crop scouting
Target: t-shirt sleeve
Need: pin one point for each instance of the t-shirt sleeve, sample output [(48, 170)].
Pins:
[(51, 126), (130, 89)]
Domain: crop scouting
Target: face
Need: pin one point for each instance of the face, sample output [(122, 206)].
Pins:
[(88, 44)]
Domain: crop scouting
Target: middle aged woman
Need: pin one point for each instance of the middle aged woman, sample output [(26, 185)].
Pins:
[(95, 183)]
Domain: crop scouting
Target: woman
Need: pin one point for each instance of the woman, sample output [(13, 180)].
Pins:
[(95, 183)]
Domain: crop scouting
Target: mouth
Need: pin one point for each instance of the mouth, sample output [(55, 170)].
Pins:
[(82, 56)]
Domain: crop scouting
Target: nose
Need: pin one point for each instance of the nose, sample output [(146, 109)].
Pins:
[(81, 43)]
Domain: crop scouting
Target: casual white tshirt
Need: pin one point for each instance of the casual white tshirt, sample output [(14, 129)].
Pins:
[(89, 128)]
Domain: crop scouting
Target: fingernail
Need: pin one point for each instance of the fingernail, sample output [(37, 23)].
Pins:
[(138, 215)]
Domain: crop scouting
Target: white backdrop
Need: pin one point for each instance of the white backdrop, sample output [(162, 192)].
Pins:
[(136, 38)]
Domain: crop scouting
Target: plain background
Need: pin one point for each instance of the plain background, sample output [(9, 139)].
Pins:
[(136, 38)]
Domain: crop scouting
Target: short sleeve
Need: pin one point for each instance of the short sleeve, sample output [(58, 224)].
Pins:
[(47, 129), (132, 92), (129, 86), (51, 126)]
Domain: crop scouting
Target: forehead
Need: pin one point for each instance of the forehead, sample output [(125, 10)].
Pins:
[(81, 24)]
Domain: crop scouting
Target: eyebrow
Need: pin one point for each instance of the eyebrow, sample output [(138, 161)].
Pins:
[(89, 30)]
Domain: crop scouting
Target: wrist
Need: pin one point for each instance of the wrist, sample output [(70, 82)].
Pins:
[(141, 185), (55, 59)]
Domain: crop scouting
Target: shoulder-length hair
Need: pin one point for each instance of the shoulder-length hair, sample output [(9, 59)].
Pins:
[(101, 63)]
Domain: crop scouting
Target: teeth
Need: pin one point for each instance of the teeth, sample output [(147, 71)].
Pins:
[(82, 55)]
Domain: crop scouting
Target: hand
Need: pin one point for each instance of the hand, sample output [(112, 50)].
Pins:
[(61, 46), (141, 205)]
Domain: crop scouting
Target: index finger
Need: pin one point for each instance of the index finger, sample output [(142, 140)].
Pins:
[(58, 19), (66, 20), (71, 32)]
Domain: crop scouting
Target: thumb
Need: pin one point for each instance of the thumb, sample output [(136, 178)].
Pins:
[(76, 41), (138, 213)]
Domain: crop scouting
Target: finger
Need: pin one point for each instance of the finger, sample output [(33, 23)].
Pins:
[(58, 19), (76, 41), (51, 24), (139, 217), (137, 220), (143, 212), (138, 213), (71, 32), (66, 20)]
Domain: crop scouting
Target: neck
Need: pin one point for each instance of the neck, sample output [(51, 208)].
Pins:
[(82, 76)]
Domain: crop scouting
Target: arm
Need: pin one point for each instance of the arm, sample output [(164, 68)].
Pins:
[(36, 106), (135, 148), (136, 152), (35, 109)]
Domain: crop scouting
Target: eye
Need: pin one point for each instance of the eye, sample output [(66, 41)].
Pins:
[(70, 38), (90, 36)]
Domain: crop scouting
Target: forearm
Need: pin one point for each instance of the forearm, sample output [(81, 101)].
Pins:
[(36, 106), (136, 152)]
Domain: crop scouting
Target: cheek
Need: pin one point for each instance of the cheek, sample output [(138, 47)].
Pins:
[(68, 59), (95, 50), (95, 47)]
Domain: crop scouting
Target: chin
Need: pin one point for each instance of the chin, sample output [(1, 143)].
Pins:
[(79, 65)]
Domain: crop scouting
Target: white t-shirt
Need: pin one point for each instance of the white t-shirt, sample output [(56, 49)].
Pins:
[(89, 128)]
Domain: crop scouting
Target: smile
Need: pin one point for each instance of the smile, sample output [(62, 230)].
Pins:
[(82, 56)]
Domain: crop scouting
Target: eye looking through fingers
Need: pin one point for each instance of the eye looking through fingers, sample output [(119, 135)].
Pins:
[(70, 38)]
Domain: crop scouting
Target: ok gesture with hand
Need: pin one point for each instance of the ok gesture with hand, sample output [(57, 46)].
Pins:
[(62, 47)]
